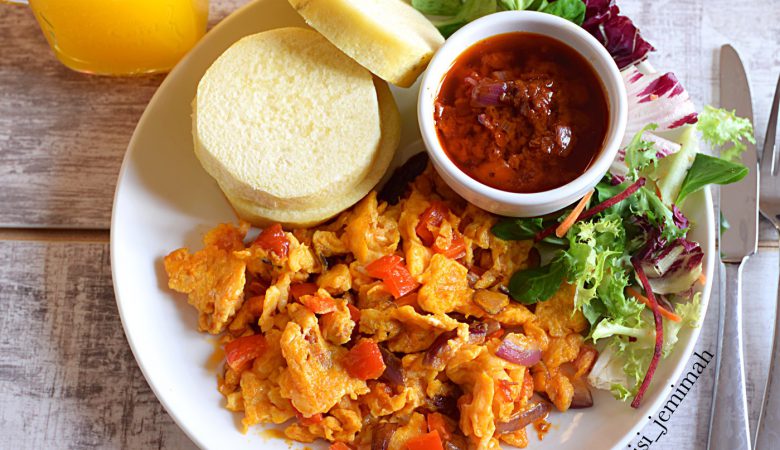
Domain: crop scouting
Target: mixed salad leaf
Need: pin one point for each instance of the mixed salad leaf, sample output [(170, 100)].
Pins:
[(642, 234)]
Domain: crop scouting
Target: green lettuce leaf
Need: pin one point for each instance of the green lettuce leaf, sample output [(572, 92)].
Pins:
[(571, 10), (708, 170), (510, 229), (438, 7), (470, 10), (537, 284)]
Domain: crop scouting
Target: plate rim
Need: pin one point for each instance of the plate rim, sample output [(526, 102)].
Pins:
[(687, 350)]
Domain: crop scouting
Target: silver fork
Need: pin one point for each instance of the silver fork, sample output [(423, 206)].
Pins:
[(768, 434)]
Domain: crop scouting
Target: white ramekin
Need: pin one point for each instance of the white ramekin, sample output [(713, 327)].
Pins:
[(510, 203)]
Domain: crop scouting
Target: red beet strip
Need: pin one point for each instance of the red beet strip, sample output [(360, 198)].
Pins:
[(596, 209), (659, 334)]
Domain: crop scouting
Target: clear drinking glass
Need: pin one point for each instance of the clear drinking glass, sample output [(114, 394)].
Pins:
[(121, 37)]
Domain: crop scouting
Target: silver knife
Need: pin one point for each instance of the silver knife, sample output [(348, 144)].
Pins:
[(729, 429)]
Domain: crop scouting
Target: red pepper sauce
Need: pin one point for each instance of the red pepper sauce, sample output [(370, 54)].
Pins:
[(522, 112)]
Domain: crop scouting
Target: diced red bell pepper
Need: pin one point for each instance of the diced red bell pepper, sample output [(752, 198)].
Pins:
[(383, 266), (396, 277), (354, 312), (242, 351), (318, 305), (273, 239), (430, 220), (364, 360), (298, 290), (427, 441), (456, 249), (437, 422)]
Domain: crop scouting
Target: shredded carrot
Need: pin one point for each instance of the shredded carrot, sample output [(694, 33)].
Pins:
[(664, 312), (573, 215), (339, 446), (703, 279)]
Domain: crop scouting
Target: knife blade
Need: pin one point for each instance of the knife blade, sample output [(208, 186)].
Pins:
[(729, 428), (738, 201)]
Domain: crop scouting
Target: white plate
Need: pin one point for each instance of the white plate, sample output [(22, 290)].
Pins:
[(164, 200)]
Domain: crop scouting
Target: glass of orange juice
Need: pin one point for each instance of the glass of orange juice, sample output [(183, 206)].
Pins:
[(121, 37)]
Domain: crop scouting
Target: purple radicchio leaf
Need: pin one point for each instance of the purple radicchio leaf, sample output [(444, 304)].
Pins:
[(679, 218), (616, 32), (657, 98), (674, 268)]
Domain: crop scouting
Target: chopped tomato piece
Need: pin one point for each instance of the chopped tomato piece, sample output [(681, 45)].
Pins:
[(456, 249), (318, 305), (396, 277), (242, 351), (427, 441), (364, 360), (298, 290), (273, 239), (430, 220), (339, 446), (437, 422), (354, 312)]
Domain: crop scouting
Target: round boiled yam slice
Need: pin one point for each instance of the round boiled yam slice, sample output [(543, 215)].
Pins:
[(388, 37), (391, 134), (283, 116)]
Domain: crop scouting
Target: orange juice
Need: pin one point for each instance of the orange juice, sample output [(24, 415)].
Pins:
[(121, 37)]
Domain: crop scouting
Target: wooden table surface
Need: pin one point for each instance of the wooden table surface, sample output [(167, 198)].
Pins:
[(67, 376)]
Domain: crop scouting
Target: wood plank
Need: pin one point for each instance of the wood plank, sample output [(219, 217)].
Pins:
[(63, 134), (67, 376)]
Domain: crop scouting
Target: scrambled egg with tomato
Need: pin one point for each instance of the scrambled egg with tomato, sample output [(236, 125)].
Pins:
[(390, 327)]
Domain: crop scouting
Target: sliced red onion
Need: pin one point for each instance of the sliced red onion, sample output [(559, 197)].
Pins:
[(515, 351), (433, 355), (383, 432), (533, 413), (488, 93), (582, 398), (445, 404), (394, 372), (477, 333)]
